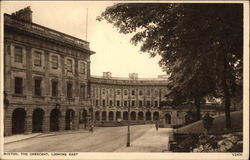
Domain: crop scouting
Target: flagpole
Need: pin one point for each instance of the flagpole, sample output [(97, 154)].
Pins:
[(86, 33)]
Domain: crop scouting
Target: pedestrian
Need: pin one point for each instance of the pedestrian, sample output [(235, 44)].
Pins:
[(156, 125), (91, 128)]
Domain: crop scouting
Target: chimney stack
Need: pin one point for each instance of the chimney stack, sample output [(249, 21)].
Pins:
[(23, 14), (107, 75), (133, 76)]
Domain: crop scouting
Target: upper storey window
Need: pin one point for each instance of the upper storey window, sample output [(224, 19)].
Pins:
[(54, 62), (148, 92), (69, 65), (82, 67), (18, 54), (140, 93), (37, 58), (18, 85), (118, 92), (133, 92), (125, 92)]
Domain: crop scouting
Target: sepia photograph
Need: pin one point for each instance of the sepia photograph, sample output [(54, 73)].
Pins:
[(125, 79)]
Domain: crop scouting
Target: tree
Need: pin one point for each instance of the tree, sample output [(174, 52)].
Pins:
[(200, 44)]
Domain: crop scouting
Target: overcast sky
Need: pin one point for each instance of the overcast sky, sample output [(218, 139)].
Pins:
[(114, 53)]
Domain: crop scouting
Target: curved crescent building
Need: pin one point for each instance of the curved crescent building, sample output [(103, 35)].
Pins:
[(113, 96)]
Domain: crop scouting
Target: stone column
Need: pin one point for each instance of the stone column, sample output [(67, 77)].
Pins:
[(7, 124), (114, 116), (28, 124), (46, 123), (62, 122), (76, 121)]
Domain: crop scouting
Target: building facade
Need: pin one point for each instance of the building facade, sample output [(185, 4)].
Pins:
[(116, 100), (46, 77), (48, 85)]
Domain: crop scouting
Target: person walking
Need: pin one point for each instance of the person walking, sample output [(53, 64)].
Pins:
[(156, 125)]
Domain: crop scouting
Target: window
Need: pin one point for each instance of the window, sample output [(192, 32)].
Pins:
[(69, 65), (103, 102), (118, 92), (69, 90), (18, 54), (103, 91), (54, 88), (133, 103), (125, 103), (96, 102), (156, 103), (140, 93), (82, 67), (38, 89), (37, 58), (125, 92), (148, 92), (82, 91), (54, 62), (156, 93), (18, 85), (133, 92), (97, 92), (148, 103), (110, 102), (118, 103), (140, 103)]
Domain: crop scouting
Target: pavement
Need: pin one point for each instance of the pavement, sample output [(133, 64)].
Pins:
[(143, 138), (22, 137), (152, 141)]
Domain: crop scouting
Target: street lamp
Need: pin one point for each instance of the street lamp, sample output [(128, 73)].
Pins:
[(128, 134)]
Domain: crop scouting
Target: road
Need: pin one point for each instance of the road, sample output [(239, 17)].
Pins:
[(144, 138)]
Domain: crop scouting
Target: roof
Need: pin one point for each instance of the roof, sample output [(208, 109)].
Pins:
[(38, 30)]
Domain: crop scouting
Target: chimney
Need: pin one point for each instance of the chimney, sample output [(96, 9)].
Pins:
[(133, 76), (107, 75), (23, 14)]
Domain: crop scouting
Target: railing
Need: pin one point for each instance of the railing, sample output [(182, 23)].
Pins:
[(45, 32)]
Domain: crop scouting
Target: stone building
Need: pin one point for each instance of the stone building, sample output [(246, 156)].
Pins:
[(46, 77), (116, 100), (48, 87), (111, 98)]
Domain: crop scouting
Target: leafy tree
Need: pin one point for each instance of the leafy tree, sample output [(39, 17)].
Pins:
[(200, 44)]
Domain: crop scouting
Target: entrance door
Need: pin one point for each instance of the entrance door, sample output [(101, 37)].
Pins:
[(54, 120), (18, 121)]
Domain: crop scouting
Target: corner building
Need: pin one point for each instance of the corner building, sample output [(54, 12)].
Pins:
[(46, 77)]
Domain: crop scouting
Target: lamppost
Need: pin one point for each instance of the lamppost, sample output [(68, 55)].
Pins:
[(128, 134)]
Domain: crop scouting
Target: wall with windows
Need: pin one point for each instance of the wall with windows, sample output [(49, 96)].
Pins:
[(45, 75)]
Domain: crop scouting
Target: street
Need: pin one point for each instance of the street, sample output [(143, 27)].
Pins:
[(144, 138)]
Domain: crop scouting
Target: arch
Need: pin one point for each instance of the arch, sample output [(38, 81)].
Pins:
[(125, 115), (140, 115), (69, 119), (37, 120), (156, 116), (133, 116), (148, 116), (111, 116), (167, 118), (104, 116), (118, 115), (18, 121), (97, 116), (83, 116), (54, 120)]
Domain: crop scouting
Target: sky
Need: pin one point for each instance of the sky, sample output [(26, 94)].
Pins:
[(114, 52)]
